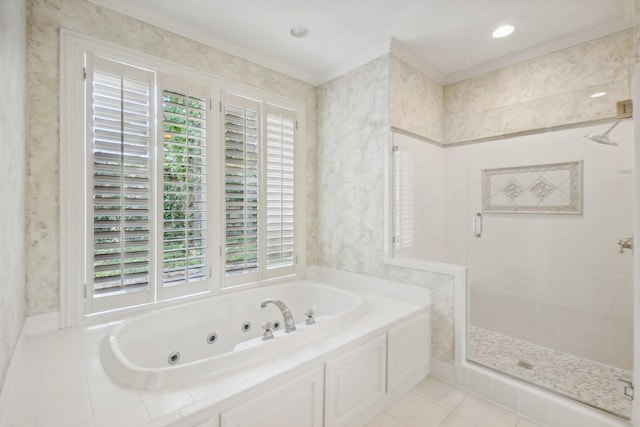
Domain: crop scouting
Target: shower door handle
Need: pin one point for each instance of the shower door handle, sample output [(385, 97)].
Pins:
[(477, 225)]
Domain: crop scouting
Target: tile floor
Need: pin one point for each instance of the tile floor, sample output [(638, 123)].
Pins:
[(433, 403)]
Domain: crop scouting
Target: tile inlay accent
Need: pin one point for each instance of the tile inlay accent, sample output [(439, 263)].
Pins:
[(551, 188), (542, 188), (512, 190)]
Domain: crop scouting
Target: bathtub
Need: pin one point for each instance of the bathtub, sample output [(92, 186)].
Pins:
[(221, 334)]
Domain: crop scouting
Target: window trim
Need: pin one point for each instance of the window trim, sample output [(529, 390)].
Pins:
[(72, 237)]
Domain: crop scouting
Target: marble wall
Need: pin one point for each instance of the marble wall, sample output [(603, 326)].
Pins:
[(45, 17), (547, 91), (416, 101), (636, 30), (12, 171), (351, 194)]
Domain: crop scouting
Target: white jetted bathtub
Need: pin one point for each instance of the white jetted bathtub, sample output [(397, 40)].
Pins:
[(181, 344)]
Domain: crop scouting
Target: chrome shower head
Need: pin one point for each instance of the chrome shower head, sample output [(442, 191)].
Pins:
[(604, 138)]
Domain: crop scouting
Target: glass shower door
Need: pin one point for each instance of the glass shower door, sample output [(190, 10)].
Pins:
[(550, 283)]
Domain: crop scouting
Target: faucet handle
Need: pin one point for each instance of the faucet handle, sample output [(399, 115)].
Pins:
[(268, 335), (309, 313), (625, 243)]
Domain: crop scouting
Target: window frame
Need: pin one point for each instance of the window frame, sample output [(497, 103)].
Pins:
[(74, 238)]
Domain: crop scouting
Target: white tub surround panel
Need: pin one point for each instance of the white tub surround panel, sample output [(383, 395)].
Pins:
[(289, 383), (12, 171), (45, 18)]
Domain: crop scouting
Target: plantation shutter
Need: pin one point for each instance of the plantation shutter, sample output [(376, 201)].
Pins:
[(280, 128), (184, 185), (242, 127), (403, 179), (120, 132)]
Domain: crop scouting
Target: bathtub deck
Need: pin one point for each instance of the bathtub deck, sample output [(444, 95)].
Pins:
[(589, 382), (56, 378)]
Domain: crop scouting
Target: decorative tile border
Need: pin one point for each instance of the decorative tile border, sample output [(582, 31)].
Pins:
[(552, 188)]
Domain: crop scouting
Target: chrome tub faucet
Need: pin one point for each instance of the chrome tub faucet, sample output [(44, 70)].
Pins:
[(289, 325)]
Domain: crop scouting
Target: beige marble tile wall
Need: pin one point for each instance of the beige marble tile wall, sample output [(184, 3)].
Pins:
[(416, 101), (45, 17), (12, 170), (353, 134), (548, 91)]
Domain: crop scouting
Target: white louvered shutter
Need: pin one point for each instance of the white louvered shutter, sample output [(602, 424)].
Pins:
[(184, 167), (403, 192), (280, 150), (242, 129), (120, 136)]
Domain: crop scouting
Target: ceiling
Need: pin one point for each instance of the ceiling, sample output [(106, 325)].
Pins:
[(448, 39)]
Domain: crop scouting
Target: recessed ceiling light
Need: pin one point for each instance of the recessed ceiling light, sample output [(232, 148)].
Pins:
[(502, 31), (299, 31), (597, 94)]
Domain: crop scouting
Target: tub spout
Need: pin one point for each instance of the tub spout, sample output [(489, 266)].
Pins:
[(289, 324)]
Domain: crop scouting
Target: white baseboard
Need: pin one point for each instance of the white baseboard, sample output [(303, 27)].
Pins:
[(33, 325), (41, 323), (10, 379)]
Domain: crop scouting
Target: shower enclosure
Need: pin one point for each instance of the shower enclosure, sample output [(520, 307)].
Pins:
[(544, 224)]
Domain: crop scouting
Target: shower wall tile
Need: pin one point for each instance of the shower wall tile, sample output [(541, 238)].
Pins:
[(12, 171), (603, 338), (351, 170), (548, 91), (45, 18), (416, 101)]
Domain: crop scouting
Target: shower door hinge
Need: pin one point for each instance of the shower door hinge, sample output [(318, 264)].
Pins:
[(395, 149), (84, 73), (626, 388), (85, 290)]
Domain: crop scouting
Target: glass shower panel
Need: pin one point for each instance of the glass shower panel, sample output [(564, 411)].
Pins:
[(418, 199), (550, 279)]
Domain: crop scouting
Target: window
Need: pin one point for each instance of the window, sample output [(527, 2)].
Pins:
[(120, 105), (258, 189), (184, 225), (162, 195)]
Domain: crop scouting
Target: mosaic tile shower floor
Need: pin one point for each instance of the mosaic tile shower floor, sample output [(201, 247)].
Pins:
[(589, 382)]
